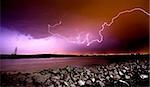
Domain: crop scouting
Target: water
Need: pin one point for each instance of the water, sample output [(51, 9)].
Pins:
[(27, 65)]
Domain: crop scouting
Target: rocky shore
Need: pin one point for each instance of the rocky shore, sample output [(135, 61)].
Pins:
[(128, 73)]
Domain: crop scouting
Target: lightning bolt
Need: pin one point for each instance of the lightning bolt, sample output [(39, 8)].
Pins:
[(102, 28)]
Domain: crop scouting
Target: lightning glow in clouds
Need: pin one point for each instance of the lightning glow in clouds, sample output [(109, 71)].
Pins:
[(26, 44), (102, 28)]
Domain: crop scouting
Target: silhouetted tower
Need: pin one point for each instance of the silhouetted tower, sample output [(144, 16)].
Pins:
[(15, 52)]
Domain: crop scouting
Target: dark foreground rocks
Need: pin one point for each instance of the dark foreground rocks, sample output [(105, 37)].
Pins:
[(130, 73)]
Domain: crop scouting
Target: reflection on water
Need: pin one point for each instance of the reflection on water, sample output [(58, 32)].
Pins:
[(44, 63)]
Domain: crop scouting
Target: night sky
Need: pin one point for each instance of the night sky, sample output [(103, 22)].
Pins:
[(24, 24)]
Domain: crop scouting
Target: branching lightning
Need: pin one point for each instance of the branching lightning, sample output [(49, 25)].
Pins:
[(102, 28)]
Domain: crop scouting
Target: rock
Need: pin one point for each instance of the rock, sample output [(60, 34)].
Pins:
[(51, 85), (143, 76), (66, 83), (115, 72), (124, 70), (39, 78), (127, 76), (29, 80), (89, 82), (81, 82), (55, 77), (107, 77), (73, 85), (124, 82), (111, 76), (117, 77), (100, 83), (48, 82), (121, 73), (93, 79)]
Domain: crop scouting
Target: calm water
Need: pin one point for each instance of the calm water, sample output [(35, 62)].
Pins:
[(45, 63)]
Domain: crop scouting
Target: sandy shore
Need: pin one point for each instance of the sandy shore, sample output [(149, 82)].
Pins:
[(30, 65)]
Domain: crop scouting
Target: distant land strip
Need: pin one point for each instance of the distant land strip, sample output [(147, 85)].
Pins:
[(13, 56)]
